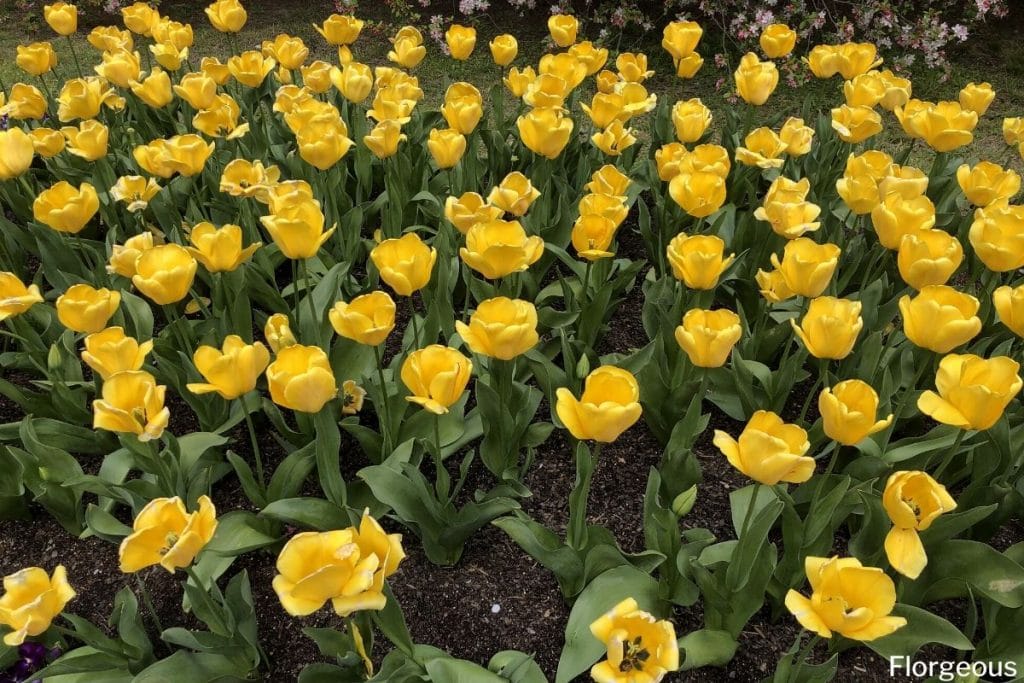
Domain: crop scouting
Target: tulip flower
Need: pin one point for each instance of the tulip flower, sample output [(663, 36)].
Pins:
[(227, 16), (88, 141), (340, 29), (46, 142), (762, 148), (354, 81), (639, 646), (243, 178), (1009, 305), (26, 103), (913, 500), (940, 318), (84, 309), (251, 68), (110, 351), (708, 337), (846, 598), (132, 403), (608, 407), (906, 181), (165, 273), (384, 138), (563, 28), (545, 131), (945, 126), (866, 90), (498, 248), (786, 209), (183, 154), (36, 59), (298, 229), (691, 119), (405, 264), (614, 139), (66, 209), (504, 49), (830, 327), (15, 297), (173, 33), (680, 38), (514, 194), (62, 18), (367, 319), (140, 18), (973, 392), (1013, 130), (896, 216), (997, 235), (460, 40), (855, 124), (848, 412), (469, 209), (699, 194), (232, 370), (352, 397), (323, 143), (16, 151), (777, 40), (124, 257), (698, 260), (290, 52), (688, 66), (82, 98), (446, 146), (755, 80), (168, 56), (164, 533), (31, 601), (518, 80), (987, 183), (436, 377), (278, 332), (605, 205), (301, 379), (977, 97), (773, 287), (859, 185), (220, 119), (928, 257), (608, 180), (592, 236), (806, 266), (122, 68), (768, 451), (407, 53), (796, 136), (500, 328)]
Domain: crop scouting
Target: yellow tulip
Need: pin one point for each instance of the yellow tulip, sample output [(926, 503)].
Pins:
[(436, 376), (786, 209), (31, 601), (123, 257), (213, 68), (897, 90), (768, 450), (545, 131), (155, 89), (944, 126), (913, 500), (446, 146), (354, 81), (64, 208), (339, 29), (755, 80), (165, 273), (707, 337), (896, 216), (15, 297), (688, 66), (497, 248), (121, 68), (846, 598), (1013, 130), (26, 103), (111, 39), (460, 40), (220, 119), (132, 403), (16, 152), (46, 142), (997, 235), (140, 18), (463, 107), (367, 319), (987, 183), (928, 257), (469, 209), (607, 81), (36, 59), (227, 16), (854, 59), (848, 412), (517, 81), (504, 49), (691, 119), (135, 191), (593, 58), (772, 285), (608, 407), (906, 181), (407, 53), (84, 309), (278, 332), (88, 140), (301, 379), (168, 56), (608, 180), (251, 68), (514, 194), (1009, 305), (243, 178), (859, 185), (604, 108), (698, 260), (183, 154), (680, 38), (384, 138), (830, 327), (82, 98), (865, 90), (164, 533), (977, 97), (940, 318), (173, 33), (807, 266), (62, 18), (219, 249), (632, 67), (405, 263), (352, 397), (777, 40), (973, 392), (639, 647), (323, 143), (614, 139), (390, 105), (856, 124), (796, 136), (563, 28), (232, 370), (762, 148), (592, 236), (823, 61), (288, 51), (285, 193), (500, 328), (110, 351), (297, 229), (699, 194)]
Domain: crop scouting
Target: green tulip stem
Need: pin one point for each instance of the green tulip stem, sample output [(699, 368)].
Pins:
[(750, 510), (437, 439), (147, 600), (74, 55), (413, 322), (950, 454), (256, 453), (384, 412), (46, 88), (805, 653), (922, 367), (172, 322), (822, 380), (585, 288), (819, 489), (308, 287)]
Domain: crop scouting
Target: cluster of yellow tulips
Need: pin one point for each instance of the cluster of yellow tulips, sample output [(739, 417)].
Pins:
[(182, 207)]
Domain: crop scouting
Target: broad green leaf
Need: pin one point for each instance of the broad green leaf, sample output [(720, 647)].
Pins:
[(922, 627)]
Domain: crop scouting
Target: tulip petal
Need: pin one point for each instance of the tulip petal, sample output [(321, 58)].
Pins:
[(905, 551)]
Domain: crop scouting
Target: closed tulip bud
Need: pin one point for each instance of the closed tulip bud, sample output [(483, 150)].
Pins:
[(997, 235), (635, 641), (707, 337), (165, 273), (66, 209), (31, 601), (84, 309), (317, 76), (47, 143), (796, 136), (762, 148), (545, 131), (498, 248), (867, 594), (367, 319), (88, 141), (110, 351), (16, 152), (436, 376), (164, 533), (977, 97), (405, 263), (514, 194), (823, 61), (592, 236), (384, 138), (500, 328), (446, 146), (688, 66), (913, 500), (15, 297), (928, 257), (407, 53), (608, 407), (251, 68), (518, 81), (680, 38), (614, 139), (563, 28), (111, 39), (973, 392), (699, 194), (298, 229), (755, 80), (227, 16), (848, 412), (773, 287), (460, 40), (469, 209), (940, 318), (301, 378), (691, 119), (504, 49), (354, 81), (830, 327), (987, 183), (854, 59), (219, 249), (769, 450), (895, 217), (324, 143), (140, 18), (684, 502), (807, 266), (855, 124), (608, 180), (62, 18), (340, 29), (123, 257), (698, 260), (777, 40), (1009, 305), (278, 332), (122, 68), (82, 98), (132, 403), (36, 59), (232, 370)]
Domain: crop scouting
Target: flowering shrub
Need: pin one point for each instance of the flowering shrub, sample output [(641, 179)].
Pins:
[(305, 248)]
